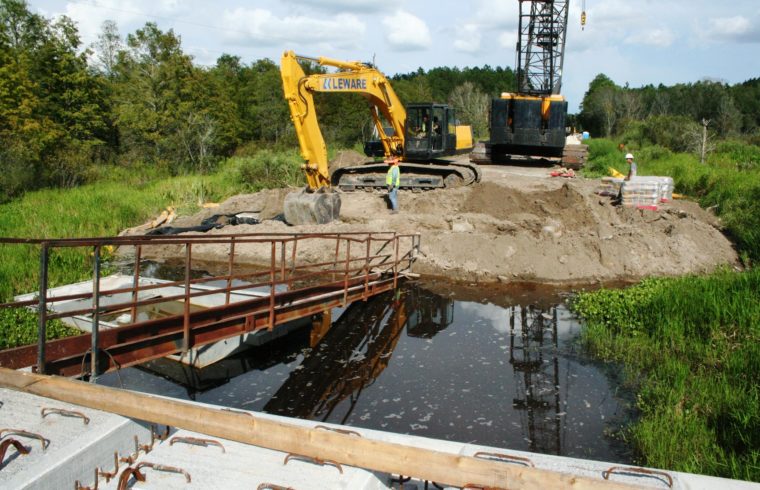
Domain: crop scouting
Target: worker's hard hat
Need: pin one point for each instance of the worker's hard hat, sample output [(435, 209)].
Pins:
[(629, 155)]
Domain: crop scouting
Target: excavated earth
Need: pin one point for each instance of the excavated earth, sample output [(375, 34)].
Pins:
[(517, 225)]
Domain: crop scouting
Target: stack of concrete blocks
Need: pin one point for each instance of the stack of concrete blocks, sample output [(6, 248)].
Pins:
[(641, 191), (666, 186)]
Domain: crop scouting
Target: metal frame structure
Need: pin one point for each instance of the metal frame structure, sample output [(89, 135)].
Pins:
[(541, 46), (362, 265)]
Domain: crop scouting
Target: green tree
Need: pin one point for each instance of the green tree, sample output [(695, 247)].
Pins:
[(472, 107), (157, 99), (265, 110), (53, 111), (599, 110), (108, 47)]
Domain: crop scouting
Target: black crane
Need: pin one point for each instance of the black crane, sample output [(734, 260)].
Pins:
[(530, 124)]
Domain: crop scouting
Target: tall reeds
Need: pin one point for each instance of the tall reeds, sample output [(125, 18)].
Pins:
[(691, 351)]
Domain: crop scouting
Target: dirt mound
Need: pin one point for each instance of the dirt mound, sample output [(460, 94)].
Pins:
[(520, 225), (346, 158), (263, 205), (508, 203)]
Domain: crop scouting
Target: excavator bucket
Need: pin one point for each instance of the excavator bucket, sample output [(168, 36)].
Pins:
[(311, 208)]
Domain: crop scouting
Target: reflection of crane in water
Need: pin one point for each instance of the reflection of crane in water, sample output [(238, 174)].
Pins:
[(537, 376), (356, 350), (431, 314)]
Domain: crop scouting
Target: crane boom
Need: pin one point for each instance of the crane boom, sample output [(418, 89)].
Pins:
[(530, 124), (541, 46)]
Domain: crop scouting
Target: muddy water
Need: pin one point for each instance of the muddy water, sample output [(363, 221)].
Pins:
[(497, 367)]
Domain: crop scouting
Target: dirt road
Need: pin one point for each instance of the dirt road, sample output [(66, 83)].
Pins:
[(519, 224)]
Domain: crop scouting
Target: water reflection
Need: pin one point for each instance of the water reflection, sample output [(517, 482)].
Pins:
[(355, 352), (537, 388), (427, 363)]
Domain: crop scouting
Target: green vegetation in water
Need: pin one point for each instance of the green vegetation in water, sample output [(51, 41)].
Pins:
[(691, 349), (19, 327), (729, 182)]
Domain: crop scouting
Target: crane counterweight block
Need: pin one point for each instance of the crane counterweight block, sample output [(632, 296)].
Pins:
[(311, 208)]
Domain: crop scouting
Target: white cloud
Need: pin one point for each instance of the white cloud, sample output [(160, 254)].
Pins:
[(496, 14), (652, 37), (348, 5), (262, 26), (508, 39), (90, 18), (733, 29), (496, 316), (617, 14), (406, 32), (467, 38)]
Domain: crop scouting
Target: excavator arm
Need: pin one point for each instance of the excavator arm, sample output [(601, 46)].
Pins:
[(304, 117), (318, 204), (352, 77)]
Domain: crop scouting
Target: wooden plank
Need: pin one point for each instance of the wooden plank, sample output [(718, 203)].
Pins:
[(441, 467)]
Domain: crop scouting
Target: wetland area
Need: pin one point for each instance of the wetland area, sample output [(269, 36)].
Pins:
[(499, 367)]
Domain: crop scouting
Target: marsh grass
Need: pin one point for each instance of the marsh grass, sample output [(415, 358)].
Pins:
[(690, 348), (121, 199)]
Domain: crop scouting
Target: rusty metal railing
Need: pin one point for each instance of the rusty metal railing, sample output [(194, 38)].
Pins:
[(294, 275)]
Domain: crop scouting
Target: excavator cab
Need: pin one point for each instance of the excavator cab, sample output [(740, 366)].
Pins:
[(430, 133)]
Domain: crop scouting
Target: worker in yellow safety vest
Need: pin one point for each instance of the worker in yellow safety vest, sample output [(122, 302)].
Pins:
[(392, 181)]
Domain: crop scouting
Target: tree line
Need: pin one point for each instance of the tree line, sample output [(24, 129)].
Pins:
[(677, 117), (69, 111)]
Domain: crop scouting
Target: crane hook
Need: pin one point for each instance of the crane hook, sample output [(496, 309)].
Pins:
[(583, 15)]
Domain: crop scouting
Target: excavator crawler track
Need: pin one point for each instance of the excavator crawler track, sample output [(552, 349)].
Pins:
[(414, 176)]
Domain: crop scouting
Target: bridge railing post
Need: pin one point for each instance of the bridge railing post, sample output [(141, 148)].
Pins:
[(272, 268), (345, 273), (42, 308), (367, 261), (395, 261), (136, 282), (94, 356), (186, 320), (230, 269)]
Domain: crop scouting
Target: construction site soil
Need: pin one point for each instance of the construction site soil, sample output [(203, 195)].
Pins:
[(517, 225)]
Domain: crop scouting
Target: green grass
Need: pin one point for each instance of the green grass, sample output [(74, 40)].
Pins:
[(729, 182), (120, 200), (19, 327), (691, 351)]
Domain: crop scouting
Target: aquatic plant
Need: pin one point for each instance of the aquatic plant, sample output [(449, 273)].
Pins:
[(691, 350)]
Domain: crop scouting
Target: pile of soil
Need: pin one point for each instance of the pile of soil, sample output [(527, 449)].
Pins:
[(346, 158), (518, 224)]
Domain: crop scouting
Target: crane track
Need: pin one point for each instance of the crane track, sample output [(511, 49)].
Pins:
[(573, 156)]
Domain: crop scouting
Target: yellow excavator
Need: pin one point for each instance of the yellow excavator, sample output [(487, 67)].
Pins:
[(417, 134)]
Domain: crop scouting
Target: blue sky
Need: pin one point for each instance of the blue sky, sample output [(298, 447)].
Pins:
[(632, 41)]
